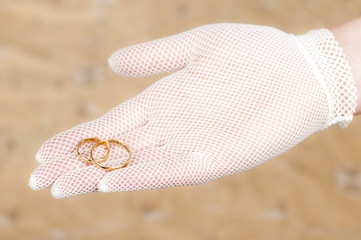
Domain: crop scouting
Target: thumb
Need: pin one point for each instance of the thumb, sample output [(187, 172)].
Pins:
[(154, 57)]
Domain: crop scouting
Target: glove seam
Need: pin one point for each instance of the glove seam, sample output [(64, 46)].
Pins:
[(319, 77)]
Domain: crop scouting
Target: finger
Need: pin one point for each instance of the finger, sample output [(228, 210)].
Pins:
[(187, 169), (126, 117), (138, 140), (86, 179), (46, 174), (154, 57)]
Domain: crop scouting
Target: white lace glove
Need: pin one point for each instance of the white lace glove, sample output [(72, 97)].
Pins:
[(243, 95)]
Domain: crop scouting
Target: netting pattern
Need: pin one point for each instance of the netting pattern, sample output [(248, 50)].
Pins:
[(242, 94), (333, 67)]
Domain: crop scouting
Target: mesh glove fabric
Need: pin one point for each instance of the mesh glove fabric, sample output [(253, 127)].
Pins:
[(242, 94)]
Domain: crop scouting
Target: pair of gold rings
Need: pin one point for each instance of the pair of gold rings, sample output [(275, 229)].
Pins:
[(106, 143)]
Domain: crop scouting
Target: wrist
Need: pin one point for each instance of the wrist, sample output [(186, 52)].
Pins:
[(331, 70), (348, 36)]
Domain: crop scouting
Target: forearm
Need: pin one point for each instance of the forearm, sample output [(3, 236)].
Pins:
[(348, 36)]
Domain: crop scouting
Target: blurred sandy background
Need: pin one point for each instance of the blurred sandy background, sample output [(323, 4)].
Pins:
[(54, 75)]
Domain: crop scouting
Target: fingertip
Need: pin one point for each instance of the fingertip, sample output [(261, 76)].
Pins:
[(120, 65), (38, 157), (33, 182), (111, 63), (55, 192), (103, 186)]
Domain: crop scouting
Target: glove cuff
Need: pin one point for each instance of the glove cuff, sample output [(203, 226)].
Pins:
[(333, 72)]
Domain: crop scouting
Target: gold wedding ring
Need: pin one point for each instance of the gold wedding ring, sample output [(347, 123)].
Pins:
[(106, 143), (98, 142)]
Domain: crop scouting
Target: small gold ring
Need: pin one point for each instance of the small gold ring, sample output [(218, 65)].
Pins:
[(107, 142), (96, 140)]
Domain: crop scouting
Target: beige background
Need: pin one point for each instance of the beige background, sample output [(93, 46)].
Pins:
[(54, 75)]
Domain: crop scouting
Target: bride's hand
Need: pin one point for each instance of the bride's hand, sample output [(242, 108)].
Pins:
[(242, 94)]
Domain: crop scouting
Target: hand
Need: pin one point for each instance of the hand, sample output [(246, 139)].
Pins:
[(243, 94)]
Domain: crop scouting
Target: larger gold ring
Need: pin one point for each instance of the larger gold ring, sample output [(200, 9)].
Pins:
[(107, 142), (96, 140)]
